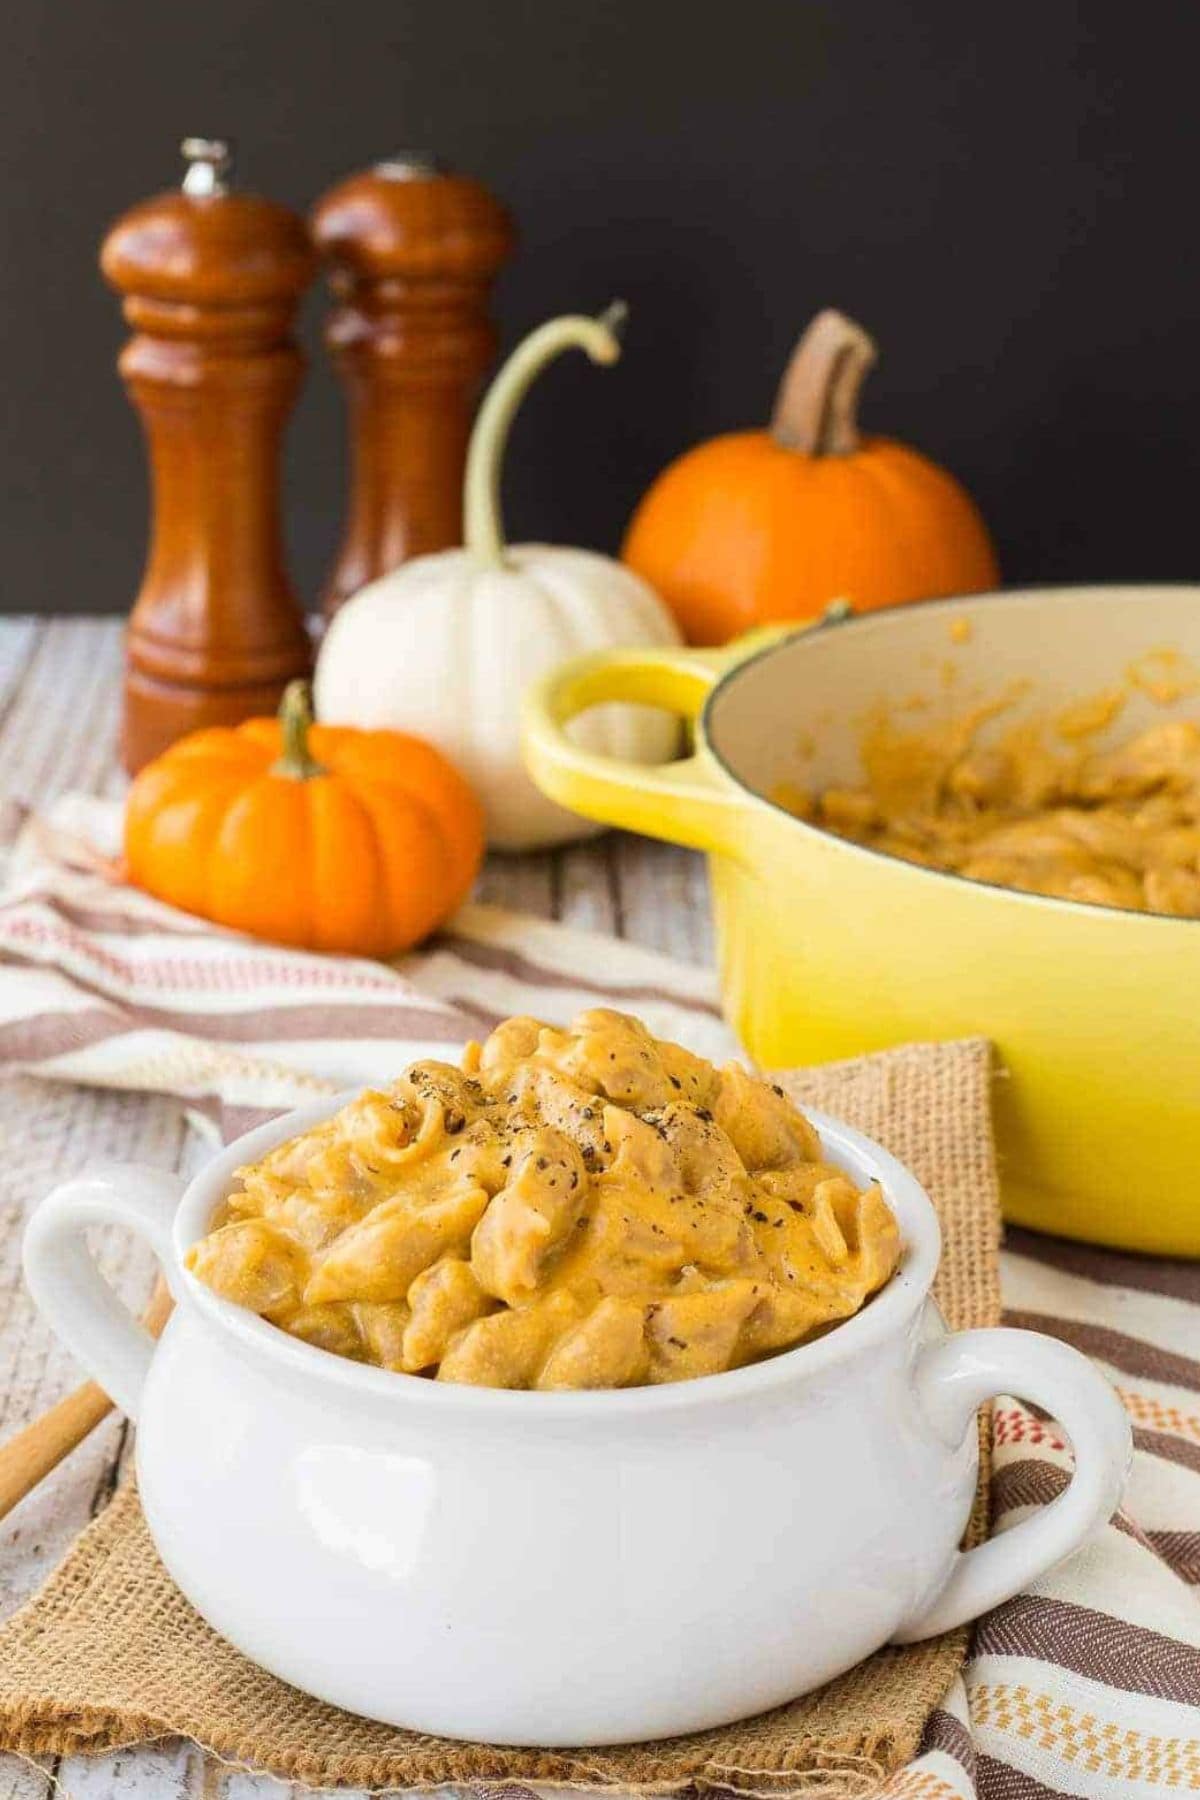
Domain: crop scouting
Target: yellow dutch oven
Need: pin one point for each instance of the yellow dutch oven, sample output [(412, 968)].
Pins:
[(828, 949)]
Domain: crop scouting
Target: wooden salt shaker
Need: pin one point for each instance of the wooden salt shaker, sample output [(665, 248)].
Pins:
[(412, 253), (211, 279)]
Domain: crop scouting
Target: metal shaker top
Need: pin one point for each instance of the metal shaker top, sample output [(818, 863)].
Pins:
[(209, 165)]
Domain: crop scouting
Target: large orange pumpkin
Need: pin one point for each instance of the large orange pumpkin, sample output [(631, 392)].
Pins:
[(321, 836), (764, 525)]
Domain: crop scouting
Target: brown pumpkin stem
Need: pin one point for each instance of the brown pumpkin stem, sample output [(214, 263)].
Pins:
[(297, 762), (816, 408)]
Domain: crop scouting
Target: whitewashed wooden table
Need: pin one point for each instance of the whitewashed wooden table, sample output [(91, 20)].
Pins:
[(59, 697)]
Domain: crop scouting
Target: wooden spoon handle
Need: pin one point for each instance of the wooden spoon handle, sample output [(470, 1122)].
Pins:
[(28, 1457)]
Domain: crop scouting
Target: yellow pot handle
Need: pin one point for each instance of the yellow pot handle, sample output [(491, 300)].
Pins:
[(688, 802)]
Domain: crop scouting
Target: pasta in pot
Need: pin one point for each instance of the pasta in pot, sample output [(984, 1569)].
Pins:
[(1116, 827), (580, 1208)]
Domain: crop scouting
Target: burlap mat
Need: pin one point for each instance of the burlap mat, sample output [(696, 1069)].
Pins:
[(110, 1653)]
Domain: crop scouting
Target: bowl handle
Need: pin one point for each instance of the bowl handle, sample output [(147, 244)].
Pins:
[(953, 1378), (68, 1289), (687, 802)]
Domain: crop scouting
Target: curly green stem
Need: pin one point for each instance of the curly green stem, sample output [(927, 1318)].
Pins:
[(483, 526)]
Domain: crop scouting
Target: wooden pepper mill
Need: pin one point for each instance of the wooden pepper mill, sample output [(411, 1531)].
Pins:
[(211, 279), (412, 253)]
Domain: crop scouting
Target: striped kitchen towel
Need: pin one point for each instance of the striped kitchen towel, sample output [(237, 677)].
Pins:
[(102, 985), (1087, 1685)]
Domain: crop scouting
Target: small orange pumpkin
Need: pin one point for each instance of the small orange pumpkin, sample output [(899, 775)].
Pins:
[(757, 526), (320, 836)]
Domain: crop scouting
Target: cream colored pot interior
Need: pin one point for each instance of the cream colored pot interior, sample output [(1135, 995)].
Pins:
[(797, 714)]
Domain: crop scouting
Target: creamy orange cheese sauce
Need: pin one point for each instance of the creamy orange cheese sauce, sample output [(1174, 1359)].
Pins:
[(579, 1208), (1118, 827)]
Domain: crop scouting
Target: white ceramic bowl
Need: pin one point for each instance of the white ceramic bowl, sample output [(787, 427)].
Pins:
[(568, 1568)]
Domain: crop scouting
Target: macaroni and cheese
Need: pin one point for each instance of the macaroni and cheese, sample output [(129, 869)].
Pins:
[(1117, 827), (578, 1208)]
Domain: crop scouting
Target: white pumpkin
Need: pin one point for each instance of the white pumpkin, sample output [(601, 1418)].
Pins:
[(445, 646)]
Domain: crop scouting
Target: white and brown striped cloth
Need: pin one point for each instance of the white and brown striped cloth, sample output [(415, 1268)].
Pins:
[(1087, 1685)]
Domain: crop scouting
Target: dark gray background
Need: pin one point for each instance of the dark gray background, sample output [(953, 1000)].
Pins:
[(1004, 194)]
